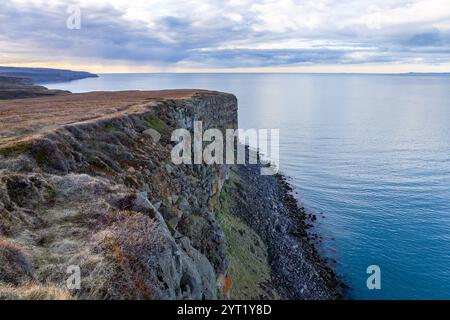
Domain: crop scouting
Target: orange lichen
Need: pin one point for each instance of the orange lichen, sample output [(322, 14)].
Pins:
[(227, 285)]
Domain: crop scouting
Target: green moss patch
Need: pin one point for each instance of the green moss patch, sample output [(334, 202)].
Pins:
[(42, 157), (52, 193), (249, 269), (12, 150), (156, 123), (108, 127)]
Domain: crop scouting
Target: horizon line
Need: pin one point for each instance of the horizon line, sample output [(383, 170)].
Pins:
[(264, 72)]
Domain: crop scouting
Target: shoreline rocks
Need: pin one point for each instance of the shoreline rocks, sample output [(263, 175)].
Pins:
[(267, 206)]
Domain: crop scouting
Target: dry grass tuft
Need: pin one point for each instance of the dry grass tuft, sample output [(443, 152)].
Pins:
[(33, 291), (14, 265), (132, 244)]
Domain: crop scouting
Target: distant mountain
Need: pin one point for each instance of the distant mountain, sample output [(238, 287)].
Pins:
[(45, 75)]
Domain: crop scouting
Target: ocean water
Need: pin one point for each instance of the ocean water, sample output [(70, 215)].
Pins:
[(370, 152)]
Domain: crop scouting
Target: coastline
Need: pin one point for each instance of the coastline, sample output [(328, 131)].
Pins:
[(44, 75), (84, 188), (266, 204), (21, 83)]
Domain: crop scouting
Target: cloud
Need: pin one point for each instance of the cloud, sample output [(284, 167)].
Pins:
[(228, 34), (425, 40)]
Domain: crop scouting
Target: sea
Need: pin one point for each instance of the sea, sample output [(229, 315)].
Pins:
[(368, 153)]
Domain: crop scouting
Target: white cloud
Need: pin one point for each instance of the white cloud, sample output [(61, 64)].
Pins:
[(288, 15), (408, 14), (211, 33)]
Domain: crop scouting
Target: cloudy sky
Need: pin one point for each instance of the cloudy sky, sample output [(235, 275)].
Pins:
[(229, 35)]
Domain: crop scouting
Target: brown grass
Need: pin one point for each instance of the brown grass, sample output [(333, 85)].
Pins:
[(26, 117), (33, 291), (14, 265), (131, 242)]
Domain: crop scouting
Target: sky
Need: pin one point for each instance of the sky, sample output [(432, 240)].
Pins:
[(228, 35)]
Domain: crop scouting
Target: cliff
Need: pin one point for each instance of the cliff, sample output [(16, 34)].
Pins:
[(84, 184), (18, 83), (42, 75), (15, 88)]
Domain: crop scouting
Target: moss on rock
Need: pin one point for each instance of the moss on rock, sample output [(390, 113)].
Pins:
[(12, 150), (42, 157), (156, 123), (249, 270)]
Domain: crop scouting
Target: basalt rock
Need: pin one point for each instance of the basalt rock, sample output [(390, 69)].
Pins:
[(82, 194)]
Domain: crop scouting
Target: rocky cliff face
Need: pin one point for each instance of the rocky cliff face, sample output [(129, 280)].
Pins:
[(83, 184), (102, 195)]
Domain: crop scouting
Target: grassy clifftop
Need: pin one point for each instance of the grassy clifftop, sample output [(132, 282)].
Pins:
[(82, 184)]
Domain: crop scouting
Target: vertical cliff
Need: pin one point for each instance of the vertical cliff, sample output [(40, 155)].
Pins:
[(87, 182)]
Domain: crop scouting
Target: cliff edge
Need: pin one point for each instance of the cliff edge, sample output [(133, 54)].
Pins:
[(85, 187)]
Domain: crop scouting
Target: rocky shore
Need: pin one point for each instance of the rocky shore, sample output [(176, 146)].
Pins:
[(84, 184), (266, 204)]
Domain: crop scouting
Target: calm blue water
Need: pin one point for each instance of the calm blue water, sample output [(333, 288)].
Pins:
[(372, 152)]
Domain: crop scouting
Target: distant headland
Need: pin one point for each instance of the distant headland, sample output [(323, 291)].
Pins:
[(18, 83), (45, 75)]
